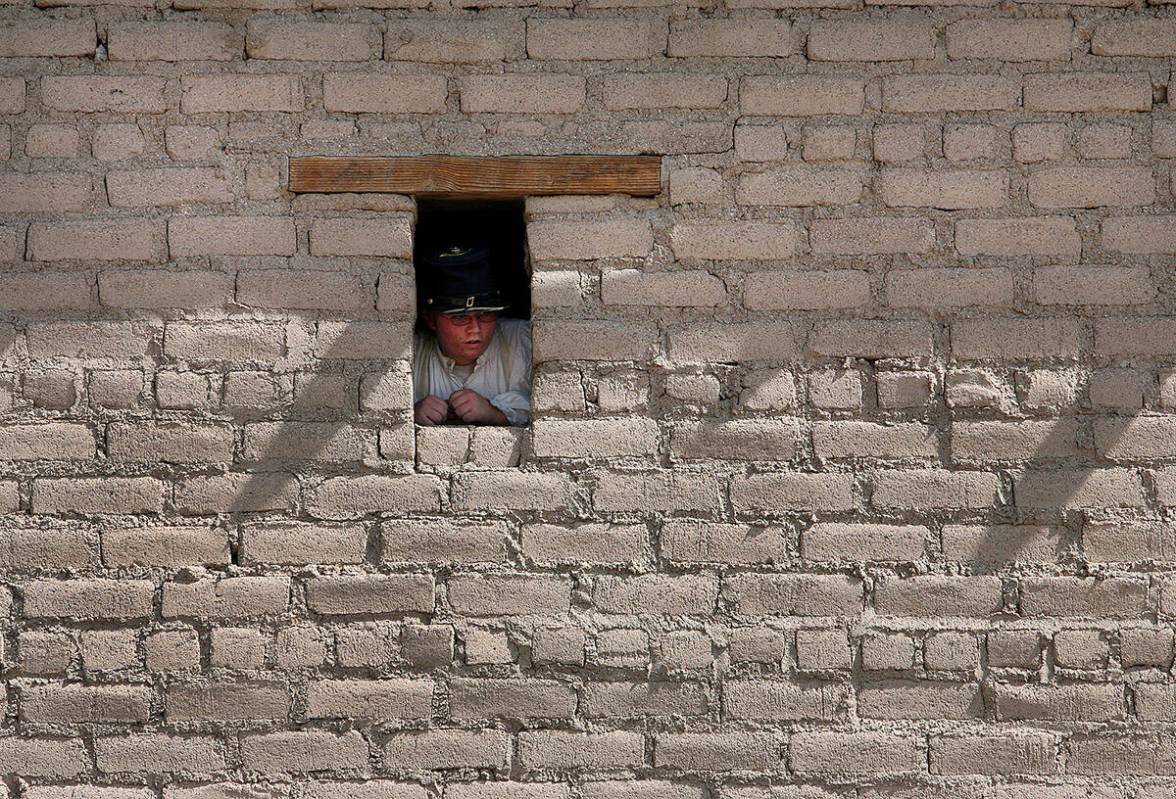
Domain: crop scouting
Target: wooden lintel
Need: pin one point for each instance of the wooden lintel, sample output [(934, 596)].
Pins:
[(500, 176)]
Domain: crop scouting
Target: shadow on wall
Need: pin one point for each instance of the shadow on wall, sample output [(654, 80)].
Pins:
[(1062, 473)]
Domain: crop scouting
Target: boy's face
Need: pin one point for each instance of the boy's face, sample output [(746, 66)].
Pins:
[(462, 337)]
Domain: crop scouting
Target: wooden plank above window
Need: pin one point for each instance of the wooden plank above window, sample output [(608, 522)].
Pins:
[(503, 176)]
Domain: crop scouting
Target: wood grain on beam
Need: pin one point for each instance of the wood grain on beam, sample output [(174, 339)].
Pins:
[(509, 176)]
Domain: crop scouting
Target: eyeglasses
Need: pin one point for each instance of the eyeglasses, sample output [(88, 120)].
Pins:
[(464, 319)]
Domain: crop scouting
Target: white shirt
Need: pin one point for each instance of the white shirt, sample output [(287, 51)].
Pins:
[(502, 374)]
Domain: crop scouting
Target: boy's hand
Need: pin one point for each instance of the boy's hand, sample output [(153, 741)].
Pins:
[(472, 408), (431, 410)]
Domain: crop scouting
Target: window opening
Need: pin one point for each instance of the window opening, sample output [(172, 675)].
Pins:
[(472, 343)]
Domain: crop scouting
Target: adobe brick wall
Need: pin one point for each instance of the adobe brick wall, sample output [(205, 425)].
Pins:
[(854, 466)]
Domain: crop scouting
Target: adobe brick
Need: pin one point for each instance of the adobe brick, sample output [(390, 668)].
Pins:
[(36, 549), (935, 93), (141, 442), (1136, 336), (164, 546), (766, 700), (510, 698), (799, 186), (1138, 438), (734, 342), (226, 598), (833, 541), (231, 235), (224, 341), (371, 594), (719, 751), (1075, 285), (97, 495), (656, 594), (1011, 40), (173, 41), (94, 93), (707, 542), (872, 339), (52, 141), (79, 704), (442, 541), (736, 240), (1126, 542), (376, 700), (809, 95), (680, 288), (454, 40), (948, 189), (951, 651), (509, 595), (522, 94), (756, 440), (12, 95), (314, 441), (997, 544), (851, 439), (1034, 142), (49, 442), (593, 341), (151, 288), (389, 236), (89, 599), (856, 753), (588, 543), (934, 289), (763, 37), (299, 544), (1088, 91), (225, 701), (901, 38), (437, 750), (794, 594), (166, 188), (154, 753), (385, 94), (203, 94), (383, 341), (865, 236), (923, 699), (303, 751), (349, 497), (1042, 235), (108, 240), (1013, 441), (53, 758), (1016, 339), (934, 488), (1079, 488), (596, 438), (1103, 754), (786, 491), (633, 700), (309, 41), (1149, 38), (1092, 187), (44, 192), (663, 90), (595, 39), (659, 490), (1059, 702), (1112, 597), (24, 38), (554, 750), (580, 240), (1016, 753), (91, 340), (929, 595)]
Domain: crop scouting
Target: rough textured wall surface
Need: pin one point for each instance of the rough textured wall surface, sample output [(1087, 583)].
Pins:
[(852, 473)]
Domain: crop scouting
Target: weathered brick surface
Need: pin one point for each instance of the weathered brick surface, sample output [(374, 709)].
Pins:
[(851, 467)]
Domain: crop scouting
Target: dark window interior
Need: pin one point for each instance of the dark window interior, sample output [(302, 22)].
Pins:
[(498, 223)]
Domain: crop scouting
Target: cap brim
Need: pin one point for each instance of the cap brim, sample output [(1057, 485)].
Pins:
[(472, 308)]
